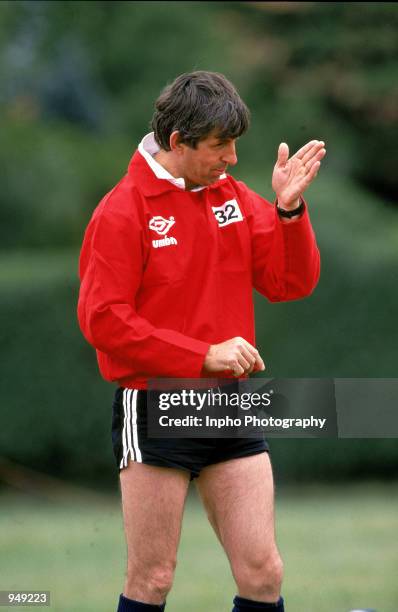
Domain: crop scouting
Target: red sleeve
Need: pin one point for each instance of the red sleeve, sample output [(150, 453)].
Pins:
[(285, 256), (111, 265)]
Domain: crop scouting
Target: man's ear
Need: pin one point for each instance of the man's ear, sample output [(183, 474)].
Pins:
[(175, 144)]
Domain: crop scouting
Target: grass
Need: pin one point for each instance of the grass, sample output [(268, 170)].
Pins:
[(338, 544)]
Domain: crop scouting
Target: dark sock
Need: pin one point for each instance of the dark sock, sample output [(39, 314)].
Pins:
[(248, 605), (129, 605)]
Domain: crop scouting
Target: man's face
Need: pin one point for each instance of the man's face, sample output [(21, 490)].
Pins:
[(210, 159)]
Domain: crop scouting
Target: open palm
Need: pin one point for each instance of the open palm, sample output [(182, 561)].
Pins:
[(291, 177)]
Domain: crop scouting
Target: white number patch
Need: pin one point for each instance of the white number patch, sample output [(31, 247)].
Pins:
[(227, 213)]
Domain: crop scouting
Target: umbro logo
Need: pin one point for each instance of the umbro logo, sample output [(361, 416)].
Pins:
[(161, 226)]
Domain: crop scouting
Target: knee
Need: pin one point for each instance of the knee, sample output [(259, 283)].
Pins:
[(260, 578), (152, 583), (160, 581)]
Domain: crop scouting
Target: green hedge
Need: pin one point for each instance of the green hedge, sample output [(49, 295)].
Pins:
[(57, 409)]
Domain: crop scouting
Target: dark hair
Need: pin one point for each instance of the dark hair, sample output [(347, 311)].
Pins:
[(195, 104)]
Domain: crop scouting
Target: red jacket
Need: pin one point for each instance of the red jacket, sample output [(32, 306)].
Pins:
[(166, 272)]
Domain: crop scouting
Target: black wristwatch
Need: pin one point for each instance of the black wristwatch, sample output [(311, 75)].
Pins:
[(288, 214)]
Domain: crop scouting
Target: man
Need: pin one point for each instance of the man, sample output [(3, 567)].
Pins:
[(167, 268)]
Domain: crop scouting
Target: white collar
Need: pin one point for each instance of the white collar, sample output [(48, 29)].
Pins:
[(149, 147)]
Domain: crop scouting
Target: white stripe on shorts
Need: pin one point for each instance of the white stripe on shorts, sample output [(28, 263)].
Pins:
[(135, 431), (123, 462), (128, 406), (130, 433)]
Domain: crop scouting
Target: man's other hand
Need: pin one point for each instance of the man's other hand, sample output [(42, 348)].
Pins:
[(236, 355)]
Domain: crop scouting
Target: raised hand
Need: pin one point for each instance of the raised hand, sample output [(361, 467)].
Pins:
[(291, 177)]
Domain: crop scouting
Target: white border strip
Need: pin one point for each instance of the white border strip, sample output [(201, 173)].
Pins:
[(123, 462), (129, 447), (135, 431)]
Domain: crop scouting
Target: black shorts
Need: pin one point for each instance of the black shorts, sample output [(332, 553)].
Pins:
[(131, 442)]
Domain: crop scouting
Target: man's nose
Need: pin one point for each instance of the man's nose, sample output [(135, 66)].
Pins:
[(229, 156)]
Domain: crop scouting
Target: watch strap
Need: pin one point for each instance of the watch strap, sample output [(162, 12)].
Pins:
[(288, 214)]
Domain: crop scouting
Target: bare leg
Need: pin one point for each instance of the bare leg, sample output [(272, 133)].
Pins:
[(239, 498), (153, 502)]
